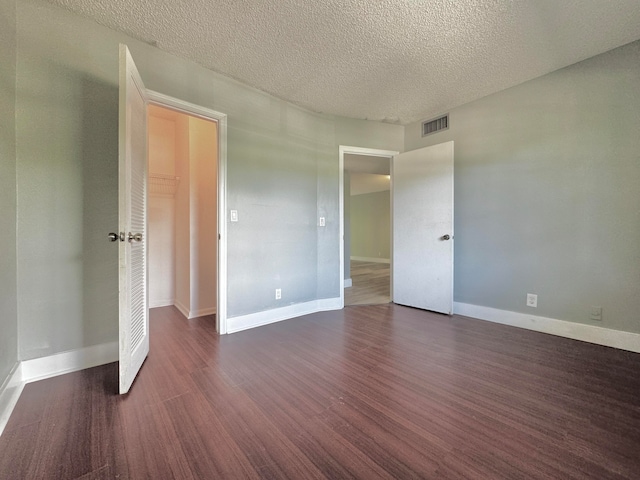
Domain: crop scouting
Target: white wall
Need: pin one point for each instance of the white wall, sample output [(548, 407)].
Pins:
[(547, 189), (370, 221), (8, 272), (182, 234), (161, 211), (546, 185), (67, 183), (203, 164), (282, 171), (347, 224)]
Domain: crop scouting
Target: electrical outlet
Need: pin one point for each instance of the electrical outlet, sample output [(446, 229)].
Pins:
[(596, 313), (532, 300), (278, 293), (322, 222)]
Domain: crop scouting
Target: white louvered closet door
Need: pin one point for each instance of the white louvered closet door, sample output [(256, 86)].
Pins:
[(132, 192)]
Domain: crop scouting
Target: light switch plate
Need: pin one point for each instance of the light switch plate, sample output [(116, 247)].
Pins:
[(234, 215), (322, 222)]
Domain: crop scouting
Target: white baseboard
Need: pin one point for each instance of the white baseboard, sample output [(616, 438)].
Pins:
[(201, 313), (9, 394), (36, 369), (348, 282), (244, 322), (327, 304), (577, 331), (371, 259), (162, 303), (183, 310), (71, 361)]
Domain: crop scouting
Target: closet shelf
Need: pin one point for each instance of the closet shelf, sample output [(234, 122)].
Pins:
[(160, 184)]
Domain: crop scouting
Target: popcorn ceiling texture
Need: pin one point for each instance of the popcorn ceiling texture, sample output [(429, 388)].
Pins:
[(388, 60)]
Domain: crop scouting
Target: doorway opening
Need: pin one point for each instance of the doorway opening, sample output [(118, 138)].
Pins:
[(366, 249), (182, 211)]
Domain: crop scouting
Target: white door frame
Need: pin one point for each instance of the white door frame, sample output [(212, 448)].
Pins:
[(172, 103), (372, 152)]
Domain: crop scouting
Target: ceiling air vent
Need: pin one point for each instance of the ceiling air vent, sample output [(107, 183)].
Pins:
[(435, 125)]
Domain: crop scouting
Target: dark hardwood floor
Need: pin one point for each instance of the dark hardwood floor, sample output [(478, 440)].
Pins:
[(368, 392)]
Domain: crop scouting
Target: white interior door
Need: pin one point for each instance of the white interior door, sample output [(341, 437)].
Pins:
[(132, 192), (423, 228)]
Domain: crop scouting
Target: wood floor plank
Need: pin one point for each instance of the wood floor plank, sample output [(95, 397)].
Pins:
[(327, 449), (15, 463), (152, 446), (368, 392), (211, 452)]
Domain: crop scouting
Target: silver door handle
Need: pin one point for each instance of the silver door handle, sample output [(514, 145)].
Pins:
[(137, 237), (114, 237), (445, 237)]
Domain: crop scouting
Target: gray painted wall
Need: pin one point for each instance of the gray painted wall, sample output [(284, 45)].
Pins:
[(547, 189), (8, 295), (368, 134), (282, 175), (371, 225), (547, 177)]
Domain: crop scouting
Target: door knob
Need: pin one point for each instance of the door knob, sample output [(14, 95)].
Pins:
[(137, 237), (445, 237), (114, 237)]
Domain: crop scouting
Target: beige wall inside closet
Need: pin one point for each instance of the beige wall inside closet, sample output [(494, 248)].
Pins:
[(183, 168)]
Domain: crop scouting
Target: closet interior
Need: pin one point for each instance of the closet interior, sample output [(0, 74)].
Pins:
[(182, 211)]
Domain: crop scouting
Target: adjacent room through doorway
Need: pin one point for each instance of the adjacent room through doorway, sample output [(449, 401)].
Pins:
[(367, 228)]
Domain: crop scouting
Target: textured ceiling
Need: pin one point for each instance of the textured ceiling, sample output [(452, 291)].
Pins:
[(391, 60)]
